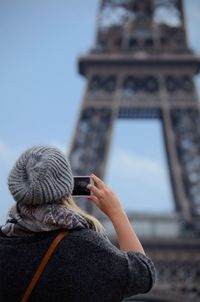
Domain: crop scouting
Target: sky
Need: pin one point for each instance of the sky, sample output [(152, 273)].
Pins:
[(41, 93)]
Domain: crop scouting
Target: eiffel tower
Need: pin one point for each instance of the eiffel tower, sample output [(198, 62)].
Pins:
[(142, 67)]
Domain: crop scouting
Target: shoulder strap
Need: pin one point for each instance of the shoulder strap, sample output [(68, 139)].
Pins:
[(42, 265)]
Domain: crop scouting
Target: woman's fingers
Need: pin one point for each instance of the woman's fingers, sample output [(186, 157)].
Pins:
[(103, 197), (98, 181), (94, 190)]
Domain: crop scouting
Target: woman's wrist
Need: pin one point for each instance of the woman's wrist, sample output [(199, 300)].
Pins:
[(117, 214)]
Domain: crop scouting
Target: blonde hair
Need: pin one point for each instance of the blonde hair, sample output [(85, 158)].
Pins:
[(70, 203)]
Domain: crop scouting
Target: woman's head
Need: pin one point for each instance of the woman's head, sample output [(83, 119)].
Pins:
[(42, 174)]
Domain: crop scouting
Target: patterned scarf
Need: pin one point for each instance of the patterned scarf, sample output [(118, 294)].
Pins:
[(24, 220)]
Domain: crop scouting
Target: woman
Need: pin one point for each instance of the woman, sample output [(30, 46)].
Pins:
[(85, 266)]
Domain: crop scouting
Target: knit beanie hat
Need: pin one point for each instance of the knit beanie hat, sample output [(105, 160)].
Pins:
[(42, 174)]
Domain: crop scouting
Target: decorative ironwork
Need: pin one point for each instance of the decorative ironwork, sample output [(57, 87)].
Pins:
[(135, 24), (104, 84), (186, 124), (88, 151), (134, 84), (184, 83)]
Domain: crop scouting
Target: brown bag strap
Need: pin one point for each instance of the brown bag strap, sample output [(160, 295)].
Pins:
[(42, 265)]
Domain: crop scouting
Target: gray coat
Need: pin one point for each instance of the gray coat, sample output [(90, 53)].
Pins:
[(85, 267)]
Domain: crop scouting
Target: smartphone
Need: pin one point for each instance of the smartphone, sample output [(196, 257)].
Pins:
[(80, 183)]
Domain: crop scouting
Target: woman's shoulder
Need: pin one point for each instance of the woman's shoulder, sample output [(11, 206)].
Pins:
[(100, 240), (88, 235)]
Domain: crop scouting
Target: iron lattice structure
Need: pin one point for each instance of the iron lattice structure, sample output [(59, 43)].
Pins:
[(142, 67)]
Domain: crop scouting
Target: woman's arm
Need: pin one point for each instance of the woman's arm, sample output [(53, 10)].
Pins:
[(127, 237), (106, 200)]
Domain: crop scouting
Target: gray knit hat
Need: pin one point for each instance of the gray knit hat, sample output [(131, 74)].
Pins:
[(42, 174)]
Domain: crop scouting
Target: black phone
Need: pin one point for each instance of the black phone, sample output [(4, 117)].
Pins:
[(80, 184)]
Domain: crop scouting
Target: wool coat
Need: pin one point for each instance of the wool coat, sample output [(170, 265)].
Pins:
[(85, 267)]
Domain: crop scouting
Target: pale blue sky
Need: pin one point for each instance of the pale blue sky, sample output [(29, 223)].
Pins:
[(41, 93)]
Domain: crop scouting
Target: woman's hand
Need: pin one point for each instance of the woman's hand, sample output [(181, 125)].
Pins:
[(103, 197), (106, 200)]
